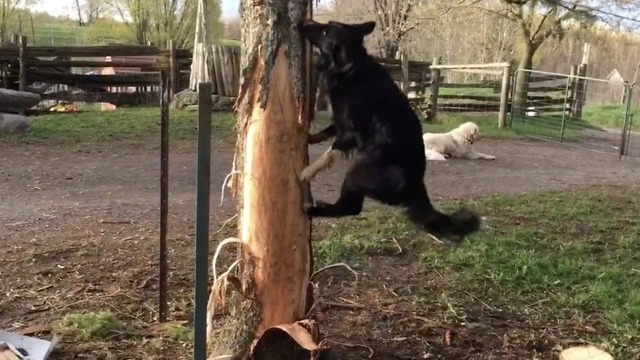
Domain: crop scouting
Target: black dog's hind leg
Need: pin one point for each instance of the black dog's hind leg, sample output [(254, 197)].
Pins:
[(349, 203)]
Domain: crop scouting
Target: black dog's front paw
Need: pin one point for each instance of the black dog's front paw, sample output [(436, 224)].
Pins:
[(306, 206), (314, 209)]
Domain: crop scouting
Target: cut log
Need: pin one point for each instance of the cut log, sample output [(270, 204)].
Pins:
[(13, 101), (273, 293), (587, 352), (14, 124)]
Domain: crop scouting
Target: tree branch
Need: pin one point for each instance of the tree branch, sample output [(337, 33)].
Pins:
[(551, 11)]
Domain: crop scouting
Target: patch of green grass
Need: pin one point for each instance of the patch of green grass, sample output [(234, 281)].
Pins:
[(475, 91), (179, 333), (88, 326), (610, 116), (230, 42), (568, 256), (488, 125), (548, 128), (141, 124), (366, 234)]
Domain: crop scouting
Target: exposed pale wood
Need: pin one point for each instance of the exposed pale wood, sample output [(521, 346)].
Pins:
[(174, 77), (435, 88), (273, 223), (504, 96), (586, 352), (17, 101), (202, 66), (404, 59), (275, 232)]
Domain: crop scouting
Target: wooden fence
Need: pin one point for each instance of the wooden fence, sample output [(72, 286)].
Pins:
[(117, 74), (551, 94), (226, 69), (131, 75)]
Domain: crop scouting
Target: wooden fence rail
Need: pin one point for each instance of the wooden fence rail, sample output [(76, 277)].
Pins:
[(131, 72), (130, 75)]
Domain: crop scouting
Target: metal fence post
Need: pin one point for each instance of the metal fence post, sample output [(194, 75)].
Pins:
[(627, 120)]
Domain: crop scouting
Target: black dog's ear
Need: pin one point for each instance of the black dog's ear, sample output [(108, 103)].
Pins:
[(312, 31), (365, 28)]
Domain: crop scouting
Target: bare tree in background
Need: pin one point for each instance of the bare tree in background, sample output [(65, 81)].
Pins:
[(394, 18), (232, 29), (89, 11), (173, 20), (137, 15), (7, 11), (162, 20)]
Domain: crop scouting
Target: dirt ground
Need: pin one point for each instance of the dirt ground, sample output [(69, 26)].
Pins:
[(80, 228)]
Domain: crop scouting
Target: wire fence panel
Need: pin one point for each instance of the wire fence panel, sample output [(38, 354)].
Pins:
[(576, 110), (632, 133)]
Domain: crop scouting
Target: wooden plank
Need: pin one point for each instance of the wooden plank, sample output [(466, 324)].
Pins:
[(534, 78), (546, 89), (139, 79), (159, 65), (543, 102), (86, 51), (470, 66), (412, 63), (495, 84), (477, 71), (116, 98), (470, 97), (469, 107)]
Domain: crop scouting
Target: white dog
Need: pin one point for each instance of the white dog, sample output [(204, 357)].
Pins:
[(457, 143)]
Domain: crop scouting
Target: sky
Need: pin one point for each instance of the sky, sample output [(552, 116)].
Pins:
[(65, 7)]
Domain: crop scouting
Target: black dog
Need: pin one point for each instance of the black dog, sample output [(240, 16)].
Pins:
[(373, 120)]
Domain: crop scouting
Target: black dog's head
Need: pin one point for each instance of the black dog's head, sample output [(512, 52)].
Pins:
[(340, 44)]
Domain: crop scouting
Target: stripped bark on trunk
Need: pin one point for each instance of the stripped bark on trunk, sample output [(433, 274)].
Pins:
[(270, 292)]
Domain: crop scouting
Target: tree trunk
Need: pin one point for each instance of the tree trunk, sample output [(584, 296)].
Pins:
[(272, 286), (519, 105)]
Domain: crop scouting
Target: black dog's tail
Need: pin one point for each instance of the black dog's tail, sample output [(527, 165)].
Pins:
[(451, 228)]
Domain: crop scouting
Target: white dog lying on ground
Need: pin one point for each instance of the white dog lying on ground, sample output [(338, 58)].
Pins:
[(457, 143)]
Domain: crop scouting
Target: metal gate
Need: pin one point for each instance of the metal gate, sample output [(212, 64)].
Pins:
[(590, 113)]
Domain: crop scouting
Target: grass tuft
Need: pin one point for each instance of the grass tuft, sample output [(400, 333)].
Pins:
[(89, 326), (132, 124)]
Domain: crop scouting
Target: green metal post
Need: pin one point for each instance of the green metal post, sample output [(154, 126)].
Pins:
[(202, 220)]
